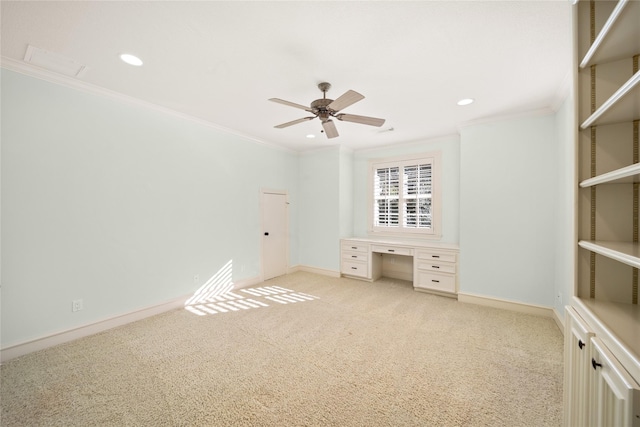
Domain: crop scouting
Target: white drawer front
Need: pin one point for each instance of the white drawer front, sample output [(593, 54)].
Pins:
[(355, 256), (392, 250), (354, 268), (436, 282), (355, 247), (436, 255), (440, 267)]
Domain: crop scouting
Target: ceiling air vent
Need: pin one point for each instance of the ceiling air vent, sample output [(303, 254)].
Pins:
[(54, 62)]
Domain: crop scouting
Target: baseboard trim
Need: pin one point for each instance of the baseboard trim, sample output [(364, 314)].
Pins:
[(315, 270), (521, 307), (559, 320), (51, 340), (247, 283)]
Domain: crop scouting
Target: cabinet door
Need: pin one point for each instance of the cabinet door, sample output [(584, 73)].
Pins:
[(615, 396), (577, 361)]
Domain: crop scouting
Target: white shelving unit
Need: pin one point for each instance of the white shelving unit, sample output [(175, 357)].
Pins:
[(605, 307), (618, 38), (622, 106), (625, 252), (625, 175)]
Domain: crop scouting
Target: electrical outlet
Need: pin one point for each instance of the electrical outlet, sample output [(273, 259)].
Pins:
[(559, 298), (76, 305), (196, 279)]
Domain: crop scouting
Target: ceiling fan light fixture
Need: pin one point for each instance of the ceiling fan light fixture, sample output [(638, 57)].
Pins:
[(325, 109), (131, 59), (466, 101)]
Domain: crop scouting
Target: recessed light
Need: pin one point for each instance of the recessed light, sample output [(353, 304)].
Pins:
[(131, 59), (310, 136), (466, 101)]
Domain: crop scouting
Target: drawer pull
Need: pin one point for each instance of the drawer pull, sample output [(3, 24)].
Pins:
[(435, 266), (435, 256), (581, 344), (435, 281), (354, 247), (390, 250), (354, 268), (354, 256), (595, 364)]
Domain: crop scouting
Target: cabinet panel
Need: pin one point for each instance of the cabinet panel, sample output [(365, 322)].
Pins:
[(615, 396), (441, 267), (435, 281), (577, 348), (396, 250), (436, 255), (354, 268), (355, 256), (355, 246)]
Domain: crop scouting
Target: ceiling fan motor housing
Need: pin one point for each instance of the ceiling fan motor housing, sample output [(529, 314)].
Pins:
[(319, 107), (324, 110)]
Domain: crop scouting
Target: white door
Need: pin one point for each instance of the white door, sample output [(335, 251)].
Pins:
[(274, 234)]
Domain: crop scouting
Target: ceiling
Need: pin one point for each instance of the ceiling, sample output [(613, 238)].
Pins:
[(221, 61)]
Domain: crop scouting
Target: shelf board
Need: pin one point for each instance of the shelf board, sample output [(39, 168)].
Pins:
[(619, 37), (626, 175), (621, 322), (622, 106), (624, 252)]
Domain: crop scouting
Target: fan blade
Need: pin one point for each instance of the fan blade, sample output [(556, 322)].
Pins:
[(330, 128), (371, 121), (291, 104), (348, 98), (295, 122)]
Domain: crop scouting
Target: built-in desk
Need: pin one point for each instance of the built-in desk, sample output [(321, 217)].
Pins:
[(432, 267)]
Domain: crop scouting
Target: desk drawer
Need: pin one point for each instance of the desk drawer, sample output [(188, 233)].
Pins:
[(354, 268), (434, 254), (354, 247), (436, 282), (441, 267), (392, 250), (355, 256)]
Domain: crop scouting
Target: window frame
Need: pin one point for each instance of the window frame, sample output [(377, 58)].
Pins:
[(432, 158)]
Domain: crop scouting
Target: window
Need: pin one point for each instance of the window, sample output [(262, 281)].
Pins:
[(405, 195)]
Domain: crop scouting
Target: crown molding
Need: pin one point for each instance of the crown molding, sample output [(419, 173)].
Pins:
[(441, 139), (22, 67), (514, 116)]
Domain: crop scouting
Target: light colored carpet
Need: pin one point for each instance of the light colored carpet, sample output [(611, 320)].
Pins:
[(356, 354)]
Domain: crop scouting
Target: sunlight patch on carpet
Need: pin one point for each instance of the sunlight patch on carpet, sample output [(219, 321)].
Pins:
[(217, 296)]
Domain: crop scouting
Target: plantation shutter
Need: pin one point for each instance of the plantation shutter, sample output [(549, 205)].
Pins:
[(386, 195), (402, 195), (417, 196)]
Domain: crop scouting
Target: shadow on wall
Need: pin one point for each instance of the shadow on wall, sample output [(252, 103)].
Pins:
[(216, 295)]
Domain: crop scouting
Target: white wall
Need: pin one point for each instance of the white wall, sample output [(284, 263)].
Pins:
[(450, 149), (346, 193), (120, 206), (508, 187), (320, 212), (566, 238)]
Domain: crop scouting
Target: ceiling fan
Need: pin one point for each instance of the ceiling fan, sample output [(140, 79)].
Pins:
[(325, 109)]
